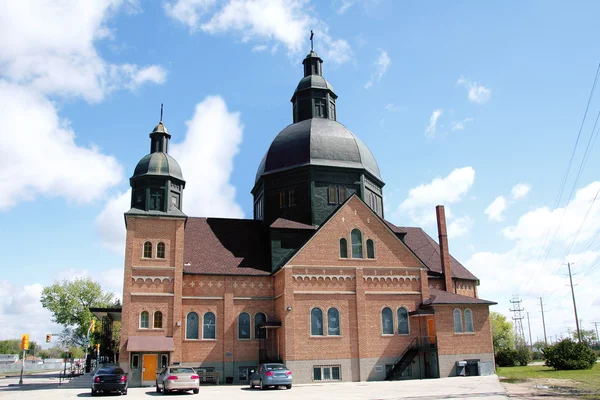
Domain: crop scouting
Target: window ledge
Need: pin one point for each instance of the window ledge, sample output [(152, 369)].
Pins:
[(464, 333), (326, 336)]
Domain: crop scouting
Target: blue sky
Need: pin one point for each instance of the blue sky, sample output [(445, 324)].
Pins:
[(475, 105)]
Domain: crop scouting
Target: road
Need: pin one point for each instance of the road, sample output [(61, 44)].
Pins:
[(474, 388)]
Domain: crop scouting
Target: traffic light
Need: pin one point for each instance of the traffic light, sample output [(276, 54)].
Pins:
[(48, 338), (25, 341), (98, 347), (69, 354), (93, 325)]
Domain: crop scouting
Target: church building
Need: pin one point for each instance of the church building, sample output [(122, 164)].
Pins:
[(318, 279)]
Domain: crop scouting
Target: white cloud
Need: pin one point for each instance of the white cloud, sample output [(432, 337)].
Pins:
[(393, 107), (281, 21), (459, 226), (496, 208), (188, 12), (206, 158), (345, 6), (431, 129), (17, 301), (260, 48), (448, 190), (477, 93), (382, 64), (533, 227), (49, 46), (520, 190), (39, 155), (460, 125)]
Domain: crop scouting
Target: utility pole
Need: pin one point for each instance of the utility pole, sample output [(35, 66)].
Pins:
[(518, 318), (596, 325), (574, 305), (529, 325), (543, 321)]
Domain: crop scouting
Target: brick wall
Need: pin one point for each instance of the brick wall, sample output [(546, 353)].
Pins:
[(450, 342)]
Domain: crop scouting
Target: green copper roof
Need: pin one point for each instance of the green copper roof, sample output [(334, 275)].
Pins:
[(158, 164)]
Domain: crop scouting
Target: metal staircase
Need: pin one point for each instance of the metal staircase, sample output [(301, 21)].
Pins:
[(418, 344)]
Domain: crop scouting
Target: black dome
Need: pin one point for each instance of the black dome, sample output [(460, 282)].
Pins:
[(317, 141)]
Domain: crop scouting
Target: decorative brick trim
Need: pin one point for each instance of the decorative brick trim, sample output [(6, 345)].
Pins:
[(323, 277), (152, 278), (154, 294), (324, 292)]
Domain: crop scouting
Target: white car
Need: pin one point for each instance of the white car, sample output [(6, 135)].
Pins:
[(176, 378)]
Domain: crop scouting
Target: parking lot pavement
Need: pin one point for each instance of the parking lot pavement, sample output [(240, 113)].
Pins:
[(473, 388)]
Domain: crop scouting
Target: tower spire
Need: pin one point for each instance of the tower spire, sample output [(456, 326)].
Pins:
[(161, 111), (311, 40)]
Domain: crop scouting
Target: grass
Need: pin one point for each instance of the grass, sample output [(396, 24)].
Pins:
[(586, 379)]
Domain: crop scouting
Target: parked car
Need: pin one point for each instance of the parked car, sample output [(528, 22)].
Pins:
[(272, 374), (174, 378), (109, 379)]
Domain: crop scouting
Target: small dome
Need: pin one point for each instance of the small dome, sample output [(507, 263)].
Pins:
[(160, 128), (317, 141), (160, 164), (313, 81)]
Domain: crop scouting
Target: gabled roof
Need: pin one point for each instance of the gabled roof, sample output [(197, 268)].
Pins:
[(221, 246), (428, 251), (282, 223), (443, 297)]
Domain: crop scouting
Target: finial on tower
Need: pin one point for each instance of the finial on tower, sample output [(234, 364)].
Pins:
[(161, 111), (311, 39)]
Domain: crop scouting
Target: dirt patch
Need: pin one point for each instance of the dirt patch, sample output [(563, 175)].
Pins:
[(538, 389)]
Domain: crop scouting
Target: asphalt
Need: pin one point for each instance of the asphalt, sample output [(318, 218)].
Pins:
[(479, 387)]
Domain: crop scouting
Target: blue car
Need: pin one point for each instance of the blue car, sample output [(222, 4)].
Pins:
[(272, 374)]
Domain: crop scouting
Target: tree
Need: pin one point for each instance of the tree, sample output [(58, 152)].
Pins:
[(502, 331), (586, 336), (69, 303), (10, 346)]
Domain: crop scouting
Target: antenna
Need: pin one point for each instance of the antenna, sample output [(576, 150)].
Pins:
[(161, 111), (311, 39)]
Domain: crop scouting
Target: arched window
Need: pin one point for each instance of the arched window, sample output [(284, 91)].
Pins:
[(316, 322), (158, 320), (403, 321), (244, 326), (468, 321), (333, 322), (144, 319), (343, 248), (387, 321), (357, 251), (209, 327), (457, 321), (259, 319), (160, 250), (191, 326), (370, 249), (147, 250)]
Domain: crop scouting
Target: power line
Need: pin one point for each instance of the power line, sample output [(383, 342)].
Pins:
[(562, 187)]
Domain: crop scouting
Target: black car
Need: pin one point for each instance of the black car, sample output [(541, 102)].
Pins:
[(109, 379)]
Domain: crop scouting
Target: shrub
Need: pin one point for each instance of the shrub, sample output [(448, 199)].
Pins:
[(569, 355), (506, 357), (523, 356)]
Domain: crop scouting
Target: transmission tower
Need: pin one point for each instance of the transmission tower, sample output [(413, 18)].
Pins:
[(517, 317)]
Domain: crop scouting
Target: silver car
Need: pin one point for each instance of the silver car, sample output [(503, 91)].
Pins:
[(173, 378), (272, 374)]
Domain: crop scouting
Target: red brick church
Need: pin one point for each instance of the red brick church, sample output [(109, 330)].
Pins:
[(318, 279)]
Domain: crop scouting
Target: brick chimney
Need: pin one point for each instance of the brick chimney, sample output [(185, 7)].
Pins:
[(444, 254)]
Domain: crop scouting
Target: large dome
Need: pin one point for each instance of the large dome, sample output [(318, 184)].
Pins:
[(317, 141), (160, 164)]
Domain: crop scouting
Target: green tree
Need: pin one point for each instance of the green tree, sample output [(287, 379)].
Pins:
[(502, 331), (586, 336), (10, 346), (567, 354), (70, 301)]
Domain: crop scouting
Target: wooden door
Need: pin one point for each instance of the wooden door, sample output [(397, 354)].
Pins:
[(149, 364), (431, 331)]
